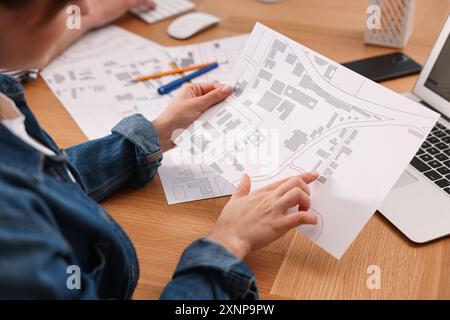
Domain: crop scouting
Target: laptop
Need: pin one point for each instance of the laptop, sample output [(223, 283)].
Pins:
[(419, 203)]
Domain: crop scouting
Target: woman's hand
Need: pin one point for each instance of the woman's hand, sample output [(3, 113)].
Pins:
[(192, 100), (251, 221)]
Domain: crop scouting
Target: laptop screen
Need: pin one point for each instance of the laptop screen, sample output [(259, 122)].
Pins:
[(439, 78)]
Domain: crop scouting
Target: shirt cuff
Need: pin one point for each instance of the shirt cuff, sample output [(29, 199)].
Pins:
[(141, 133), (234, 273)]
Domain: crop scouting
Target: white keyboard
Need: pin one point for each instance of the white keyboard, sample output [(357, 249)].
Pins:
[(164, 9)]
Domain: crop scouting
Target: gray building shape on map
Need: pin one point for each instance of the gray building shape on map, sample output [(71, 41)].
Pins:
[(297, 139)]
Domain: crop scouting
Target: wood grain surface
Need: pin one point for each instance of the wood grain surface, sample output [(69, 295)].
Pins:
[(292, 267)]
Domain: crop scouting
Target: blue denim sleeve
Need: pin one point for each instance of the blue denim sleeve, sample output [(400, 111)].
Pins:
[(208, 271), (129, 156)]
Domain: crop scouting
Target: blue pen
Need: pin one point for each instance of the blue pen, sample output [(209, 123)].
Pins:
[(165, 89)]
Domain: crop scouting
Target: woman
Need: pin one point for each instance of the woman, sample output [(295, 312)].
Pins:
[(50, 221), (102, 13)]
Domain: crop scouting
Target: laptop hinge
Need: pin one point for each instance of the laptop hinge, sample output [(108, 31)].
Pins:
[(434, 109)]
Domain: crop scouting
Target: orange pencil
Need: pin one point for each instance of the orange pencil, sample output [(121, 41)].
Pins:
[(171, 72)]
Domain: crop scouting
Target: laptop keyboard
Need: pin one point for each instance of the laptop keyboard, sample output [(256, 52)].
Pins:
[(433, 157)]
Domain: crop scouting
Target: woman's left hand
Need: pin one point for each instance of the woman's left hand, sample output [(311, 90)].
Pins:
[(192, 100)]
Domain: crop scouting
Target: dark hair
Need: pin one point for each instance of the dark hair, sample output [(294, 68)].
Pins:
[(17, 4), (13, 4), (54, 6)]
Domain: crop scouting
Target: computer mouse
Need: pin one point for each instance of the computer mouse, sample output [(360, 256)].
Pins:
[(191, 24)]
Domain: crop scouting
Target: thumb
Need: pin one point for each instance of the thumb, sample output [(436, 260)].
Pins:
[(214, 96), (243, 189)]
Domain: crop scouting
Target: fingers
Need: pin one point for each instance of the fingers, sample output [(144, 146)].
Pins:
[(307, 177), (273, 185), (293, 182), (204, 88), (296, 219), (200, 89), (294, 197), (243, 189), (213, 97), (295, 191)]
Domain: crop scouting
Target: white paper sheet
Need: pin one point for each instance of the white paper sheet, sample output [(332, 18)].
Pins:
[(92, 79), (306, 112), (226, 51), (185, 183), (199, 181)]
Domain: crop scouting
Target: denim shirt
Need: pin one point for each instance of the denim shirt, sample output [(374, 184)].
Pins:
[(53, 230)]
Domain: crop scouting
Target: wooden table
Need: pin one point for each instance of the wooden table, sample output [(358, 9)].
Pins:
[(292, 267)]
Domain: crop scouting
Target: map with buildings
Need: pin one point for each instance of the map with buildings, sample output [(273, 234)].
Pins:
[(295, 111), (225, 51), (93, 81), (189, 182)]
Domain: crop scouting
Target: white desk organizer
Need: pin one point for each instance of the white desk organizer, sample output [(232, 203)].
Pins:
[(396, 17)]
